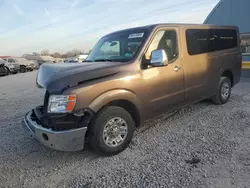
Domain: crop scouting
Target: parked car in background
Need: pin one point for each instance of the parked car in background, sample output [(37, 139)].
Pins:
[(40, 59), (25, 65), (36, 65), (71, 60), (3, 69), (82, 58), (12, 66)]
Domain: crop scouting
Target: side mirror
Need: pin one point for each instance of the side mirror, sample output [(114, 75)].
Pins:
[(113, 44), (159, 58)]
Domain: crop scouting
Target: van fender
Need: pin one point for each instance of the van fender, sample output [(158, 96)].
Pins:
[(113, 95)]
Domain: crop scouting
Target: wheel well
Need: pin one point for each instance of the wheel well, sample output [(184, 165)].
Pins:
[(229, 75), (130, 107)]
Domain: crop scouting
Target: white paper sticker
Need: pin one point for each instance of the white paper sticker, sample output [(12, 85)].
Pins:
[(136, 35)]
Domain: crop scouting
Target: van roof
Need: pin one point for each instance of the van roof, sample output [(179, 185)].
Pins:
[(153, 26)]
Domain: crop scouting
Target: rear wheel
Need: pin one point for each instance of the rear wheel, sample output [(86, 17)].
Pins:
[(23, 69), (111, 131), (223, 91)]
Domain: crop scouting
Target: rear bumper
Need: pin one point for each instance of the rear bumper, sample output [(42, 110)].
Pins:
[(67, 140)]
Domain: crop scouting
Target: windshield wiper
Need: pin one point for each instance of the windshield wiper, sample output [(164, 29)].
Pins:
[(87, 61), (98, 60)]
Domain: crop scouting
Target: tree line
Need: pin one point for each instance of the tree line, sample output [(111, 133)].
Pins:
[(72, 53)]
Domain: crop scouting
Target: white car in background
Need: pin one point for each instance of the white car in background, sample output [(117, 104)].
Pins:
[(24, 64), (11, 65), (81, 58)]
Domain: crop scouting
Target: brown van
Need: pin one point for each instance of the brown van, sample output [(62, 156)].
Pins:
[(130, 76)]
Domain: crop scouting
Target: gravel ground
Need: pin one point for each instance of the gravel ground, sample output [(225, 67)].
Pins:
[(202, 145)]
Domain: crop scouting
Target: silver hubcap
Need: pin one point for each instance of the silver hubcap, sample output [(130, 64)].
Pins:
[(225, 90), (115, 132)]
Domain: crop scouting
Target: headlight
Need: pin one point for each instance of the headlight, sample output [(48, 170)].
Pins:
[(61, 103)]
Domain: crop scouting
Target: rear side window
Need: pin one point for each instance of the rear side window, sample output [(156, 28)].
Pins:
[(209, 40), (11, 61)]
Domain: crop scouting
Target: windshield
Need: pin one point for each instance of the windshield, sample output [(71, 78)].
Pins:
[(2, 61), (122, 46)]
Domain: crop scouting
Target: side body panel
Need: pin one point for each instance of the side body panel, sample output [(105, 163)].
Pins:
[(199, 75), (164, 86), (202, 72)]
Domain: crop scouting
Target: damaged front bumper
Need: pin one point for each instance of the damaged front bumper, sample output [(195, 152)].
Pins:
[(62, 140)]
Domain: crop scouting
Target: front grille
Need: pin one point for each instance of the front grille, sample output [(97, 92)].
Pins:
[(56, 122), (33, 118)]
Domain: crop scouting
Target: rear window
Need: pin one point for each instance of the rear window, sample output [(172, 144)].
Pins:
[(209, 40)]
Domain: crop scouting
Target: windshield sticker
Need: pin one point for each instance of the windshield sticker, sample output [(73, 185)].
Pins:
[(136, 35)]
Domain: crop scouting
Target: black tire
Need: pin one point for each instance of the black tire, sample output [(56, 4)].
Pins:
[(23, 69), (96, 129), (219, 98), (7, 70), (2, 71)]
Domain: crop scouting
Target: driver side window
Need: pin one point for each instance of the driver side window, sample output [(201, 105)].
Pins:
[(166, 40), (110, 48)]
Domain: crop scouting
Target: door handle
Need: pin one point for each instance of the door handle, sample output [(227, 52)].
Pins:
[(176, 68)]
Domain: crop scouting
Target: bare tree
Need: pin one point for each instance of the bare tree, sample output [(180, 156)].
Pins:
[(35, 53), (25, 55), (45, 52), (56, 55), (76, 52)]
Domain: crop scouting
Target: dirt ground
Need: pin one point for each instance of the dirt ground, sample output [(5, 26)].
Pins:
[(202, 145)]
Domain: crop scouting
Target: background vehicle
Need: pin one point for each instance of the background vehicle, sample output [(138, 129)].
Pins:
[(81, 58), (131, 76), (3, 69), (36, 65), (71, 60), (25, 65), (11, 65)]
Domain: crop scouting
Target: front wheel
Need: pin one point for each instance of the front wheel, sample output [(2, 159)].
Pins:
[(7, 70), (111, 131), (223, 91)]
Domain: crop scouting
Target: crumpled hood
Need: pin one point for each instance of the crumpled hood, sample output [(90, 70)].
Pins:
[(56, 77)]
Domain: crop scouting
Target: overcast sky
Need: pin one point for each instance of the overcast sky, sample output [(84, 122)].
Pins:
[(61, 25)]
